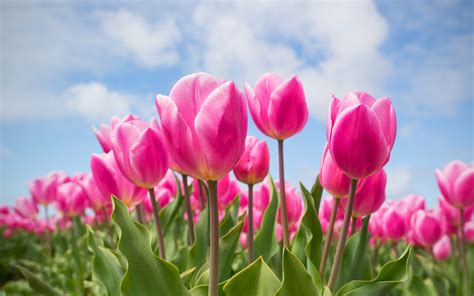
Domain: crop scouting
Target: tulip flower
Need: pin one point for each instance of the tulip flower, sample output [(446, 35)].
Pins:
[(442, 248), (110, 180), (204, 123), (469, 231), (452, 214), (104, 133), (333, 179), (426, 228), (96, 200), (26, 207), (71, 199), (370, 194), (360, 132), (279, 110), (165, 192), (393, 223), (251, 169)]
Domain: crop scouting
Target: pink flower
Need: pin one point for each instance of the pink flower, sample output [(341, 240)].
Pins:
[(43, 189), (204, 123), (140, 153), (326, 209), (253, 165), (96, 199), (442, 249), (332, 179), (452, 214), (361, 133), (104, 133), (456, 182), (425, 227), (370, 194), (165, 192), (393, 223), (469, 231), (278, 107), (26, 207), (71, 199), (110, 180)]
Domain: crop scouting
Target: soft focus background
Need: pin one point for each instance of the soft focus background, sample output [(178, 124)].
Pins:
[(68, 66)]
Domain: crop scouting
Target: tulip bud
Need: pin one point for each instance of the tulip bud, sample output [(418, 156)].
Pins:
[(425, 227), (332, 179), (26, 207), (72, 199), (361, 133), (104, 133), (277, 107), (253, 165), (456, 183), (442, 249), (393, 223), (469, 231)]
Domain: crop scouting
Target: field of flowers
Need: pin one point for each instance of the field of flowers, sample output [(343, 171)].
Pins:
[(184, 205)]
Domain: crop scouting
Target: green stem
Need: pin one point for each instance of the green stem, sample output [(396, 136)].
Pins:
[(353, 226), (327, 243), (283, 212), (250, 223), (343, 236), (156, 216), (77, 257), (375, 255), (202, 197), (465, 273), (214, 236), (189, 211)]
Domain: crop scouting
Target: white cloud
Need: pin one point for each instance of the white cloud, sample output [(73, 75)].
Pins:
[(95, 101), (151, 44), (399, 181)]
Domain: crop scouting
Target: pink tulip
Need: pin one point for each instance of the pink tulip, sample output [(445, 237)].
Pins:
[(393, 223), (253, 166), (165, 192), (326, 209), (469, 231), (104, 133), (140, 153), (204, 123), (294, 209), (110, 180), (96, 199), (456, 182), (278, 107), (71, 199), (361, 133), (452, 214), (425, 227), (332, 179), (442, 249), (370, 194), (26, 207), (376, 227), (43, 189)]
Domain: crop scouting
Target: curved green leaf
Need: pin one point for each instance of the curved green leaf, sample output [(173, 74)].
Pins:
[(198, 251), (317, 193), (37, 284), (296, 280), (390, 275), (146, 274), (230, 219), (256, 279), (227, 246), (106, 268), (265, 243)]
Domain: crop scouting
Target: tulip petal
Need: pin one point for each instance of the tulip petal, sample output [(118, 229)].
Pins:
[(125, 135), (332, 113), (287, 111), (221, 126), (387, 118), (358, 144), (464, 188)]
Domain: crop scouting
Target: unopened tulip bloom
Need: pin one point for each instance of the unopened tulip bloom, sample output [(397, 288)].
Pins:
[(71, 199), (456, 182), (43, 189), (104, 133), (279, 110), (452, 214), (253, 166), (111, 181), (97, 200), (442, 248), (361, 133), (26, 207), (469, 231), (333, 179), (204, 123), (393, 223), (426, 228)]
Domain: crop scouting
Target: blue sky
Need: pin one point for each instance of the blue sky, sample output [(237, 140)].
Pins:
[(68, 66)]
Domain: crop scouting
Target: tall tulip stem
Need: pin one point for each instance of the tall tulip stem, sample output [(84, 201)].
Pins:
[(202, 196), (156, 216), (77, 257), (354, 225), (343, 236), (327, 243), (189, 211), (283, 212), (250, 224), (465, 273), (214, 236)]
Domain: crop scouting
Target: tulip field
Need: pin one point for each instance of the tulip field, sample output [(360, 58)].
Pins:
[(183, 204)]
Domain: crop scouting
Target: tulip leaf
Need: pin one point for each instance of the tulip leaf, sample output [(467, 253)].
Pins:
[(106, 268), (265, 243), (256, 279), (230, 218), (147, 274), (198, 251), (296, 280), (187, 275), (227, 246), (390, 275), (308, 245), (171, 212), (37, 284), (317, 193)]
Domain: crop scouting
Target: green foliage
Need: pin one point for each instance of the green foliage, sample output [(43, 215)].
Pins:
[(296, 280)]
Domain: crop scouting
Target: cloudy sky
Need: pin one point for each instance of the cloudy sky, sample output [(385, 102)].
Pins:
[(66, 66)]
